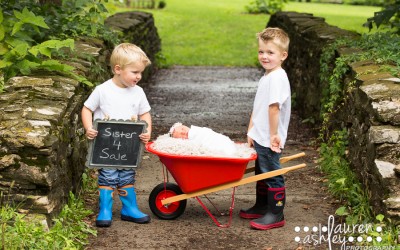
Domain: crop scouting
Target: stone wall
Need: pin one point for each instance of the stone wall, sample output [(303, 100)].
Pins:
[(308, 36), (138, 28), (42, 147), (371, 114)]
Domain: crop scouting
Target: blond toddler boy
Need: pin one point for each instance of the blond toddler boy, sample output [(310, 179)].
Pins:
[(119, 98)]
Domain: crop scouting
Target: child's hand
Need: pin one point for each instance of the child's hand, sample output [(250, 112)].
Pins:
[(275, 143), (91, 133), (250, 141), (145, 137)]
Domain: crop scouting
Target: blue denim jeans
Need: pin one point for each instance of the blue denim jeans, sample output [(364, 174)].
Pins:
[(268, 160), (116, 177)]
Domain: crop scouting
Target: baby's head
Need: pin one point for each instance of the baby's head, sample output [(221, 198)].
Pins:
[(178, 130), (128, 54)]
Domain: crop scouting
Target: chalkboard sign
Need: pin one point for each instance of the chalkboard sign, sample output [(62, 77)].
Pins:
[(117, 144)]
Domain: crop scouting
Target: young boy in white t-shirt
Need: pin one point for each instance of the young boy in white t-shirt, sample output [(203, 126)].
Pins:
[(268, 128), (119, 98)]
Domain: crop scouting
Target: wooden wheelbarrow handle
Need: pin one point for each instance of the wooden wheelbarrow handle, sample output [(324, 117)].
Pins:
[(282, 160), (232, 184)]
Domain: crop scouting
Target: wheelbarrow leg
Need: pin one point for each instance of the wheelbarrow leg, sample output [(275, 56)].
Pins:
[(228, 224)]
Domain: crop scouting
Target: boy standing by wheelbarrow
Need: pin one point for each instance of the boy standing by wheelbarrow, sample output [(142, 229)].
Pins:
[(119, 98), (268, 128)]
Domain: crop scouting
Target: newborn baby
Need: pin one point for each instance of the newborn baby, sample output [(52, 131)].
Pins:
[(204, 137)]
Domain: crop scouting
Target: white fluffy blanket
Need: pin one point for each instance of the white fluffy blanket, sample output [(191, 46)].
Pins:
[(167, 144)]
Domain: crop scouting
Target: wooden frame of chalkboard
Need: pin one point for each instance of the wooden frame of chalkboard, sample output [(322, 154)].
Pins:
[(117, 144)]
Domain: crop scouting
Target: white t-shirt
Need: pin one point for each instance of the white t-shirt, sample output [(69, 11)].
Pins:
[(118, 103), (272, 88), (214, 141)]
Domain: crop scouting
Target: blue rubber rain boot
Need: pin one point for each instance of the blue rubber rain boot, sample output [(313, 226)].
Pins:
[(130, 210), (104, 218)]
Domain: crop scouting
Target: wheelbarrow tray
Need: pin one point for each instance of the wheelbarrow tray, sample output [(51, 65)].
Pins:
[(194, 173)]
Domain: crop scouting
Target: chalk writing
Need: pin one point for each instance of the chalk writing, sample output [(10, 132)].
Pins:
[(106, 155), (116, 134), (117, 144)]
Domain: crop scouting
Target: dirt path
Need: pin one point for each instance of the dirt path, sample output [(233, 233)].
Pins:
[(219, 98)]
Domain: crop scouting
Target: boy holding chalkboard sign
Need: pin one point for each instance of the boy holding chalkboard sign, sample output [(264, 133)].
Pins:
[(119, 98)]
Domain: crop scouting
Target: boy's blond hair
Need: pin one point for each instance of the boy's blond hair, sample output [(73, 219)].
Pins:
[(279, 37), (127, 53)]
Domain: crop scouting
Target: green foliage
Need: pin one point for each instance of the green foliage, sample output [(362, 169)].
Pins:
[(79, 18), (89, 184), (69, 230), (20, 53), (389, 16), (388, 232), (161, 61), (375, 227), (381, 48), (37, 37), (1, 82), (161, 4), (342, 182), (382, 228), (332, 76), (265, 6)]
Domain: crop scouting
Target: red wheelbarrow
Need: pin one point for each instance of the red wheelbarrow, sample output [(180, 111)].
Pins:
[(201, 175)]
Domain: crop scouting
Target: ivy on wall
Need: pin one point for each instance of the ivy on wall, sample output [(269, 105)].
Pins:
[(380, 48), (383, 50)]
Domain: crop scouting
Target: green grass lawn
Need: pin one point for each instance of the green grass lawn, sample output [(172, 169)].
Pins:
[(199, 32), (348, 17), (219, 32)]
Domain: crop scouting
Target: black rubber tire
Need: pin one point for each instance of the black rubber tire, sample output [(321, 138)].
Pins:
[(169, 211)]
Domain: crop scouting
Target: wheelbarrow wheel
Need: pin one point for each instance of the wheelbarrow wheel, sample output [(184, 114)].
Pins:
[(168, 211)]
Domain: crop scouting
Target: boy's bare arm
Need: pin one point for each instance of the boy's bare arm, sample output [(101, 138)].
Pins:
[(145, 137), (87, 122), (250, 140), (273, 112)]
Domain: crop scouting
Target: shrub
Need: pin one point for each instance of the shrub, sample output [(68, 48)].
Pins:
[(388, 17), (266, 7), (31, 36)]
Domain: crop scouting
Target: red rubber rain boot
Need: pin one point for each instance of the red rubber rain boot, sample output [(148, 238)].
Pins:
[(274, 217), (260, 208)]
